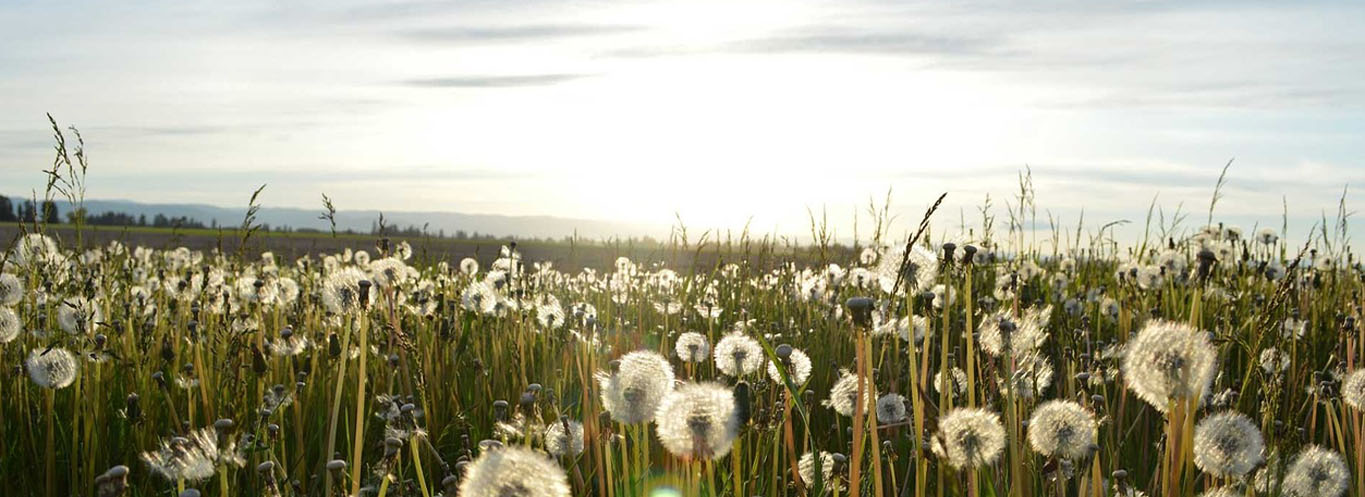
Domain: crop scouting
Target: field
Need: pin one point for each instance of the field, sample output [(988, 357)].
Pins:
[(1209, 362)]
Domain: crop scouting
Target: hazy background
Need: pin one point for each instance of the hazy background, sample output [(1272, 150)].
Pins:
[(719, 112)]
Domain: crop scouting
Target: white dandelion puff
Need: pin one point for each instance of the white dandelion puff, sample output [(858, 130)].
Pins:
[(564, 438), (918, 275), (1169, 361), (1062, 428), (797, 366), (514, 471), (805, 468), (11, 289), (78, 315), (1316, 472), (10, 325), (738, 355), (341, 292), (692, 347), (193, 457), (1228, 444), (1000, 333), (469, 266), (698, 421), (970, 437), (1352, 390), (53, 368), (632, 394), (891, 408), (843, 396)]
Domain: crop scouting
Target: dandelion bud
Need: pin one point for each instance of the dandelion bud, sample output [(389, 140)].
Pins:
[(392, 445), (527, 400), (500, 410), (160, 379), (969, 254), (336, 465), (189, 492), (1120, 474), (489, 445), (784, 352), (449, 482), (265, 467), (861, 310), (742, 403), (257, 360), (365, 292), (840, 461), (132, 408), (948, 249), (167, 351)]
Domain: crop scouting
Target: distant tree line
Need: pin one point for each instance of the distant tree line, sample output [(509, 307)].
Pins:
[(46, 212), (27, 211)]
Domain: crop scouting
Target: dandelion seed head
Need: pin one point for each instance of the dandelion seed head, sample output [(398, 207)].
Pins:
[(692, 347), (1352, 389), (805, 468), (1169, 361), (560, 441), (78, 315), (10, 325), (798, 370), (1062, 428), (738, 355), (891, 408), (192, 458), (843, 396), (513, 471), (918, 275), (53, 368), (970, 437), (1316, 472), (1228, 444), (11, 289), (1000, 333), (697, 421), (633, 393), (341, 292), (479, 297)]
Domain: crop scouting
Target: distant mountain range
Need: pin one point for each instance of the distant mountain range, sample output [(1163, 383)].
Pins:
[(363, 220)]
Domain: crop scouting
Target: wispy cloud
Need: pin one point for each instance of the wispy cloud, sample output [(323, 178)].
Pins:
[(527, 32), (494, 81)]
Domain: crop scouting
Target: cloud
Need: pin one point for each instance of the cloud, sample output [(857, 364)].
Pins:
[(495, 81), (529, 32), (841, 40)]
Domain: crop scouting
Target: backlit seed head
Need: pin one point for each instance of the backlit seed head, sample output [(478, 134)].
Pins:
[(53, 368), (698, 421), (738, 355), (1169, 361), (513, 471), (633, 392), (797, 366), (970, 437), (1063, 429), (1228, 444), (1316, 472)]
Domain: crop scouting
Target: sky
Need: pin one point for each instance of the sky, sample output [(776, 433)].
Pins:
[(718, 113)]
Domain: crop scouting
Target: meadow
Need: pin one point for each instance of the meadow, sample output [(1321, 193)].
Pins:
[(1199, 361)]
